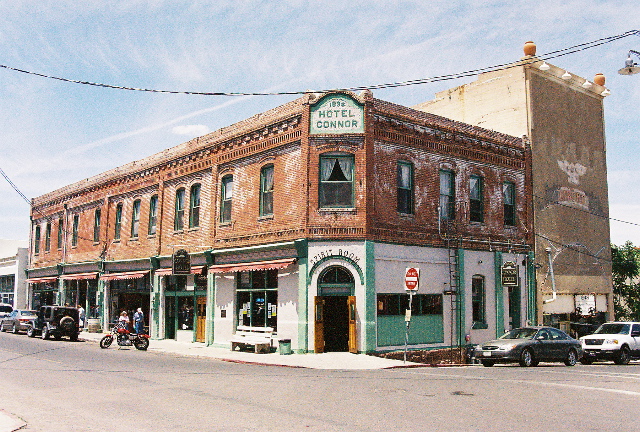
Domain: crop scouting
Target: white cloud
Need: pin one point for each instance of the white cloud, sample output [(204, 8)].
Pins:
[(191, 130)]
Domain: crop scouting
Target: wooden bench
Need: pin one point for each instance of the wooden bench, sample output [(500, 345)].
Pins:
[(258, 337)]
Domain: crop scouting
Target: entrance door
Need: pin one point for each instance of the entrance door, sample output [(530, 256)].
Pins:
[(335, 311), (514, 307), (319, 325), (353, 332), (201, 317), (170, 317)]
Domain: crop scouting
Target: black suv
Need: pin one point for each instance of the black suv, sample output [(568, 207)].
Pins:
[(56, 321)]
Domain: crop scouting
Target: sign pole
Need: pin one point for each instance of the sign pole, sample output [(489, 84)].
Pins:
[(407, 319), (411, 282)]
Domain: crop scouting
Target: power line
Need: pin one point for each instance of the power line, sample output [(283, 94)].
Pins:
[(553, 54), (585, 211)]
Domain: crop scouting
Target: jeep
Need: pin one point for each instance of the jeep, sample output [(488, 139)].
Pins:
[(617, 341), (56, 321)]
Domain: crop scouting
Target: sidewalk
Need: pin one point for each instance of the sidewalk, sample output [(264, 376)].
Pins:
[(332, 360)]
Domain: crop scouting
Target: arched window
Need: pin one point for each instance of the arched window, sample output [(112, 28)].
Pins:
[(335, 280), (117, 226), (74, 230), (47, 237), (476, 198), (266, 190), (135, 219), (36, 240), (226, 197), (153, 215), (447, 195), (509, 198), (96, 225), (178, 219), (194, 206), (405, 187)]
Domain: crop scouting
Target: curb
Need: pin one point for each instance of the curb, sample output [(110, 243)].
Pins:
[(10, 422)]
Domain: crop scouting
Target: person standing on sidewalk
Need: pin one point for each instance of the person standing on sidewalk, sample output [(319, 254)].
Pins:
[(138, 321)]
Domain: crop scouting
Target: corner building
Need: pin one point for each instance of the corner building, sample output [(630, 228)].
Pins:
[(304, 218)]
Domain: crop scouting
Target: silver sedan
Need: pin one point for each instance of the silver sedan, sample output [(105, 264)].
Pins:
[(530, 346), (18, 320)]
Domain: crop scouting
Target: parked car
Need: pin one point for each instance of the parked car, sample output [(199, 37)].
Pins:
[(18, 320), (530, 346), (56, 321), (617, 341), (5, 310)]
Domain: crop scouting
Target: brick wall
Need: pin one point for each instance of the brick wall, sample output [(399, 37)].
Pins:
[(280, 138)]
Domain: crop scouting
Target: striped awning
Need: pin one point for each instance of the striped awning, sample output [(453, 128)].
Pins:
[(42, 279), (258, 265), (169, 271), (124, 275), (79, 276)]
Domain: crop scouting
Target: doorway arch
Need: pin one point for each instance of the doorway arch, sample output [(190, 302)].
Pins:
[(335, 318)]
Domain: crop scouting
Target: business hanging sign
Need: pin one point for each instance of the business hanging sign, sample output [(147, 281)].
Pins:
[(510, 274), (181, 262), (337, 114)]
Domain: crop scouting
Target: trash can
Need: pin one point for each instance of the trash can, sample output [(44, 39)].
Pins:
[(284, 346)]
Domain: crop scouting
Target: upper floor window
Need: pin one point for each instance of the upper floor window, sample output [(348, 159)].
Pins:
[(266, 191), (135, 219), (509, 193), (60, 233), (96, 226), (226, 196), (117, 227), (47, 237), (478, 299), (178, 217), (194, 206), (476, 199), (153, 214), (336, 180), (405, 187), (36, 240), (447, 195), (74, 230)]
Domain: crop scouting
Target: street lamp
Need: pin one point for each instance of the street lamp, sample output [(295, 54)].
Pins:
[(630, 67)]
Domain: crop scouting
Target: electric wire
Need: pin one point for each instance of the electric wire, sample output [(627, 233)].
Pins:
[(553, 54), (584, 211), (543, 57)]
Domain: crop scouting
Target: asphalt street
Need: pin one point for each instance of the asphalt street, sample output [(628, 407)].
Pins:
[(62, 386)]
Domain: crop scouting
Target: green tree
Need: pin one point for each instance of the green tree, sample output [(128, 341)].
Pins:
[(626, 287)]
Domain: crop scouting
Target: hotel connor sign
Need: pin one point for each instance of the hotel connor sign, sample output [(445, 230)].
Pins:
[(337, 114)]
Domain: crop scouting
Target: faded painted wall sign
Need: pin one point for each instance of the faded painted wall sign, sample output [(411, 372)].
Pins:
[(337, 114)]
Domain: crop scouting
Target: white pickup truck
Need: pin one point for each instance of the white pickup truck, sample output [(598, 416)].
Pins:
[(617, 341)]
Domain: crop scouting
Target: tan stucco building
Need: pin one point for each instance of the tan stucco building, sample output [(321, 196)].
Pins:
[(562, 116)]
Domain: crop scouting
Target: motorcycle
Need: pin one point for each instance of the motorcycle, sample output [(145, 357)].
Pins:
[(124, 337)]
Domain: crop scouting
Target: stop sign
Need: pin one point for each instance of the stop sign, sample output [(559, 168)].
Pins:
[(411, 278)]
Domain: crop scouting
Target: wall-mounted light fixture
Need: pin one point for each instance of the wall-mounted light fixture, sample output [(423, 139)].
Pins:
[(587, 85), (566, 76), (544, 66), (630, 67)]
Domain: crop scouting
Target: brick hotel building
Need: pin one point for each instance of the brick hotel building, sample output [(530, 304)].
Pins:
[(305, 218)]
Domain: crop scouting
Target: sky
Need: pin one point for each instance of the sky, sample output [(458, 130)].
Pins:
[(54, 133)]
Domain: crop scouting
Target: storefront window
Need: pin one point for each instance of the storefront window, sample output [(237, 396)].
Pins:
[(397, 304), (6, 289), (258, 298)]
